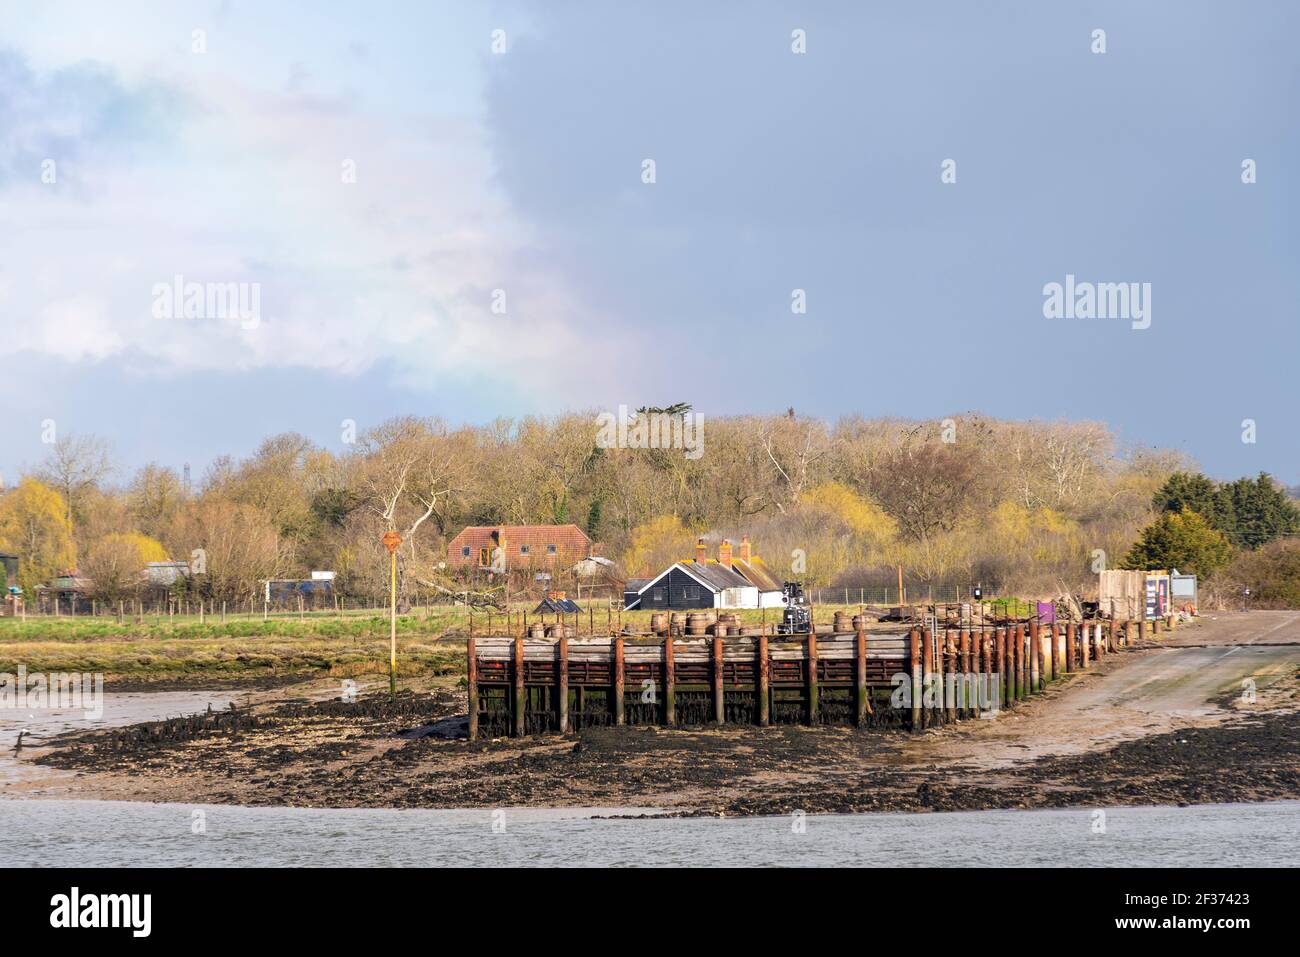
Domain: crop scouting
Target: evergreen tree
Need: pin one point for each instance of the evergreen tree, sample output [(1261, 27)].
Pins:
[(1182, 540)]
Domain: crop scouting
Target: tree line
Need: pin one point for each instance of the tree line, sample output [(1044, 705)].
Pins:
[(1019, 506)]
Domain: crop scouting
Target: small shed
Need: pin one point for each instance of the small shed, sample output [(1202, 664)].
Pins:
[(561, 605)]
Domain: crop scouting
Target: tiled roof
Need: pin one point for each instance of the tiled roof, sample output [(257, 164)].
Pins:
[(757, 572), (716, 574)]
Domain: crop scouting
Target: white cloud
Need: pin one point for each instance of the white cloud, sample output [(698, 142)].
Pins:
[(398, 267)]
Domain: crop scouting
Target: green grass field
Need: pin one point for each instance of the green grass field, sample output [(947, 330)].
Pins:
[(430, 640)]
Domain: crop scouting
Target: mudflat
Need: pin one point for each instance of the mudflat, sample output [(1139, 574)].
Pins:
[(1210, 713)]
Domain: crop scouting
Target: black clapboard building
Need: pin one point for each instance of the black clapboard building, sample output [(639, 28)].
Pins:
[(691, 585)]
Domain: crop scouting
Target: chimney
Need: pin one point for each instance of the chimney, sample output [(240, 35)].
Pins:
[(701, 550), (744, 550), (724, 552)]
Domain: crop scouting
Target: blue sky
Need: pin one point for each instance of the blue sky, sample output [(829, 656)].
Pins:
[(521, 171)]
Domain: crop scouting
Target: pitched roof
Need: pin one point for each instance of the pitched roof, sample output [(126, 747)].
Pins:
[(719, 576), (757, 572), (557, 605)]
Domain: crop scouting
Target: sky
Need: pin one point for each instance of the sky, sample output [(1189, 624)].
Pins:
[(443, 209)]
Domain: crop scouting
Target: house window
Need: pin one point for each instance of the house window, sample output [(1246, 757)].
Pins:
[(523, 549), (483, 556), (464, 551), (550, 549), (692, 592), (658, 594)]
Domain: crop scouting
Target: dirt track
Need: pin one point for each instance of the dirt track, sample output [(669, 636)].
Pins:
[(1162, 724)]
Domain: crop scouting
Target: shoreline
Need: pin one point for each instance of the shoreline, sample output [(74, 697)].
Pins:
[(1157, 725)]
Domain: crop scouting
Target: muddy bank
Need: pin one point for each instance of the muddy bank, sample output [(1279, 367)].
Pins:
[(377, 752)]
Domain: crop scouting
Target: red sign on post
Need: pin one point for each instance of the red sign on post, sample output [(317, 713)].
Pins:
[(392, 541)]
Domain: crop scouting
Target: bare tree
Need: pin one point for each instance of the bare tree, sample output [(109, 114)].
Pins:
[(74, 465)]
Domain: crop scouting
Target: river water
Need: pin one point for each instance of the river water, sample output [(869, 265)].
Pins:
[(120, 834)]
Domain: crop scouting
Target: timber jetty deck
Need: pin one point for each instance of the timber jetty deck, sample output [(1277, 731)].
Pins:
[(910, 677)]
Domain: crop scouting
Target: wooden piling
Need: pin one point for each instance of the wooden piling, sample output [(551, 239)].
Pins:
[(1035, 655), (764, 676), (1071, 647), (927, 673), (813, 698), (471, 676), (618, 680), (1142, 629), (914, 663), (719, 701), (670, 683), (860, 676), (964, 649), (1022, 665), (947, 660), (562, 683), (521, 693), (1015, 637)]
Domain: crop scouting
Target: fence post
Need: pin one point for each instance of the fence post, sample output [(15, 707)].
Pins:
[(719, 702), (764, 679)]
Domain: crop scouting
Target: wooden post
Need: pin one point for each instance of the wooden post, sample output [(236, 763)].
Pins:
[(927, 671), (1015, 660), (471, 679), (764, 681), (964, 652), (949, 675), (670, 683), (1058, 650), (521, 693), (814, 706), (1004, 663), (860, 676), (1044, 658), (1071, 653), (1142, 629), (618, 680), (562, 681), (719, 701), (914, 662), (1035, 649), (1112, 636)]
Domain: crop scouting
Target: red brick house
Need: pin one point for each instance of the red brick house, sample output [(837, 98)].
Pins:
[(522, 546)]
